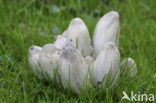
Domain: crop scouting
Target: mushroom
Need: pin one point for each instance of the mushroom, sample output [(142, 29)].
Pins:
[(107, 64), (128, 65), (60, 42), (73, 69), (33, 59), (48, 59), (107, 29), (78, 35)]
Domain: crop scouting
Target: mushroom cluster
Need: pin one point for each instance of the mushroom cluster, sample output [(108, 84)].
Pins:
[(78, 64)]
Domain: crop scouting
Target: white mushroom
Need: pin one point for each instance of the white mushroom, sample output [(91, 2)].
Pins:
[(78, 35), (107, 64), (33, 59), (60, 42), (107, 29), (73, 69), (48, 59), (128, 65)]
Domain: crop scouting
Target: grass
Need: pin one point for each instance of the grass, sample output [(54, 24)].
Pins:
[(27, 22)]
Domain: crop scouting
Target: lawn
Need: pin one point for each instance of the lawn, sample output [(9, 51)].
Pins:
[(36, 22)]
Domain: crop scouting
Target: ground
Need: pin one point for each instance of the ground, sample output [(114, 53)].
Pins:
[(34, 22)]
